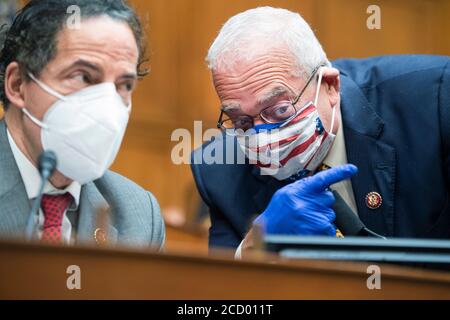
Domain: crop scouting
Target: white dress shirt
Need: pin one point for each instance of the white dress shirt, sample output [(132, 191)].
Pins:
[(32, 180), (337, 156)]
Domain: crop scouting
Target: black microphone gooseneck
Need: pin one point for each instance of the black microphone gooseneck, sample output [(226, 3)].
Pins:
[(47, 165), (348, 222)]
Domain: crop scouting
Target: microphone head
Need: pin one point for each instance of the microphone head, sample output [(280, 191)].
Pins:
[(47, 163)]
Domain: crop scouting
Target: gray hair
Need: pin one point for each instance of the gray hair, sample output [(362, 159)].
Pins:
[(257, 31)]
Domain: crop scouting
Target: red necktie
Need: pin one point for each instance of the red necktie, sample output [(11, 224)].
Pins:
[(54, 207)]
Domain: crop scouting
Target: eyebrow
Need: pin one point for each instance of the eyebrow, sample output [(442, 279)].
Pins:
[(274, 93), (96, 68), (231, 107), (84, 63), (130, 76)]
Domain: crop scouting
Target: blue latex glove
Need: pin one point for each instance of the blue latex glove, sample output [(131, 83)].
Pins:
[(304, 207)]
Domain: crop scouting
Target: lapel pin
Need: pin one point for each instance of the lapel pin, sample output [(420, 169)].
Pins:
[(100, 233), (373, 200), (100, 236)]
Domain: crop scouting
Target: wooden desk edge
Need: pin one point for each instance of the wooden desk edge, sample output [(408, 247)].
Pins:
[(223, 257)]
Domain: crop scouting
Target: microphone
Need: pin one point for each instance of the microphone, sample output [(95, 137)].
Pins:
[(348, 222), (47, 165)]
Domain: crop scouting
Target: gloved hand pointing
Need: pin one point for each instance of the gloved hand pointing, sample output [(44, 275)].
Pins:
[(304, 207)]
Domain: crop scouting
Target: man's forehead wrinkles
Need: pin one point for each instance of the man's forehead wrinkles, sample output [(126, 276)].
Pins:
[(253, 73), (264, 79), (101, 50), (103, 46), (244, 66), (255, 88), (97, 57)]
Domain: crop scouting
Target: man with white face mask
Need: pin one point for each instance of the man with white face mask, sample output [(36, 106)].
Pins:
[(68, 90), (383, 122)]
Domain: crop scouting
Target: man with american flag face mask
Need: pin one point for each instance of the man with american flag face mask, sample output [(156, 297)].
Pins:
[(295, 144), (292, 113)]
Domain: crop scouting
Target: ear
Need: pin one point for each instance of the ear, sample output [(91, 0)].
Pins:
[(332, 82), (14, 85)]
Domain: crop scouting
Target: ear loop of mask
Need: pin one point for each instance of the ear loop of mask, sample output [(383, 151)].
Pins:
[(316, 100), (129, 107), (34, 119), (47, 89), (28, 114)]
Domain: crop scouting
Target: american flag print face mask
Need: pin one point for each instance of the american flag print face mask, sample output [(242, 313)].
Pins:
[(293, 148)]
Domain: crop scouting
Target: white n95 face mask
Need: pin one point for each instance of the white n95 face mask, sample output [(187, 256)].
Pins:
[(84, 129)]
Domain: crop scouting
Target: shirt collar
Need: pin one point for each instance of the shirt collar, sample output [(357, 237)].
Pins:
[(338, 153), (32, 179)]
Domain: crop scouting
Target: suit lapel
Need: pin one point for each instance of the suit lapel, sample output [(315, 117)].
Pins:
[(14, 203), (375, 159), (90, 201)]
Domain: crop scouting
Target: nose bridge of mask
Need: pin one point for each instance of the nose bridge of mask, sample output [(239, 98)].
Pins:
[(56, 94), (266, 127)]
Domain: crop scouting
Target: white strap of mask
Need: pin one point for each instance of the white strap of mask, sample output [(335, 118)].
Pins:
[(319, 83), (130, 107), (316, 100), (46, 88), (34, 119), (332, 120)]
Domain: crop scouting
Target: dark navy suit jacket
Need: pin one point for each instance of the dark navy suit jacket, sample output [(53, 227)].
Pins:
[(396, 117)]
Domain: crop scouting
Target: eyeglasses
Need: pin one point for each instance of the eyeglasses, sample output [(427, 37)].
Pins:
[(277, 114)]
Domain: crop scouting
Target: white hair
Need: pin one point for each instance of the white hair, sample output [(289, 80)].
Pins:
[(257, 31)]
